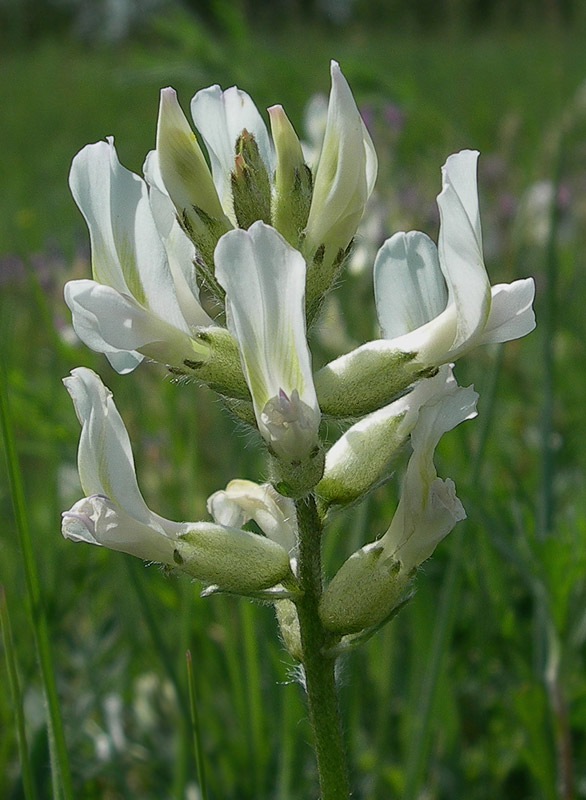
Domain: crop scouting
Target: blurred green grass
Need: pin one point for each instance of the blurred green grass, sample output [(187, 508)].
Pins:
[(512, 685)]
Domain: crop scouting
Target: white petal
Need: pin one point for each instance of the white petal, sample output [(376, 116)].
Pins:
[(409, 287), (105, 461), (243, 500), (264, 279), (180, 250), (428, 508), (109, 322), (87, 327), (511, 312), (183, 167), (127, 251), (371, 160), (460, 247), (441, 414), (97, 520), (120, 360), (346, 171), (413, 537), (220, 117)]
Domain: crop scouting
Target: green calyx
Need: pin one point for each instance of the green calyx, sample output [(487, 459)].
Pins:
[(366, 379), (296, 479), (233, 559), (251, 187), (364, 591), (222, 371), (361, 459)]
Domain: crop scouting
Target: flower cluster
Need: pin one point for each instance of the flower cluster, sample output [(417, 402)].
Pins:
[(217, 268)]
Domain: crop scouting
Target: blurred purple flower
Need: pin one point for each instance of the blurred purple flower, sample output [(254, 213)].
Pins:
[(394, 117)]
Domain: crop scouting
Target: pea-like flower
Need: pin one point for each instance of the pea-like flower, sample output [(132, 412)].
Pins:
[(433, 303), (372, 581), (130, 309), (143, 300), (264, 280), (242, 501), (114, 514), (344, 180)]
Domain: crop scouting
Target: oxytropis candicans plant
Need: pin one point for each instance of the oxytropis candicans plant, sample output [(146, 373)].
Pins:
[(217, 268)]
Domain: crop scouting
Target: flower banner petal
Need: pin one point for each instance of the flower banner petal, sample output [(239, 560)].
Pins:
[(345, 173), (220, 117), (180, 250), (127, 251), (105, 460), (460, 246), (409, 287), (264, 279)]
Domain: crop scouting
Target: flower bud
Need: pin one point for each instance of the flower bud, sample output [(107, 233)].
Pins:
[(296, 479), (187, 178), (251, 188), (293, 180), (344, 180), (364, 591), (233, 559)]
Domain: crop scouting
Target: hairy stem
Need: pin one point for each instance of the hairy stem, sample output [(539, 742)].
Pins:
[(320, 684)]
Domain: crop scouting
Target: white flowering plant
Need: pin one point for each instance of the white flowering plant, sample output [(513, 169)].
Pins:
[(217, 266)]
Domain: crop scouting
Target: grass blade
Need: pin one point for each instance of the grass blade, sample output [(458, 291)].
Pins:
[(61, 772), (14, 683), (254, 698), (196, 730)]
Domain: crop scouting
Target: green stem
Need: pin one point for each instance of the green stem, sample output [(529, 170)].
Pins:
[(320, 683)]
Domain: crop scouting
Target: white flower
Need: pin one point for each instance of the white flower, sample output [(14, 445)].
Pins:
[(256, 179), (115, 515), (434, 303), (345, 174), (344, 180), (130, 310), (264, 279), (242, 501), (221, 117), (438, 302), (370, 583), (428, 508), (183, 167)]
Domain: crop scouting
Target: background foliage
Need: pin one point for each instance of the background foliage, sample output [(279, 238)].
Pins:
[(478, 688)]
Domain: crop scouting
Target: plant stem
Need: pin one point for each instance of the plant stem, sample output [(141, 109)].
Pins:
[(320, 684)]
